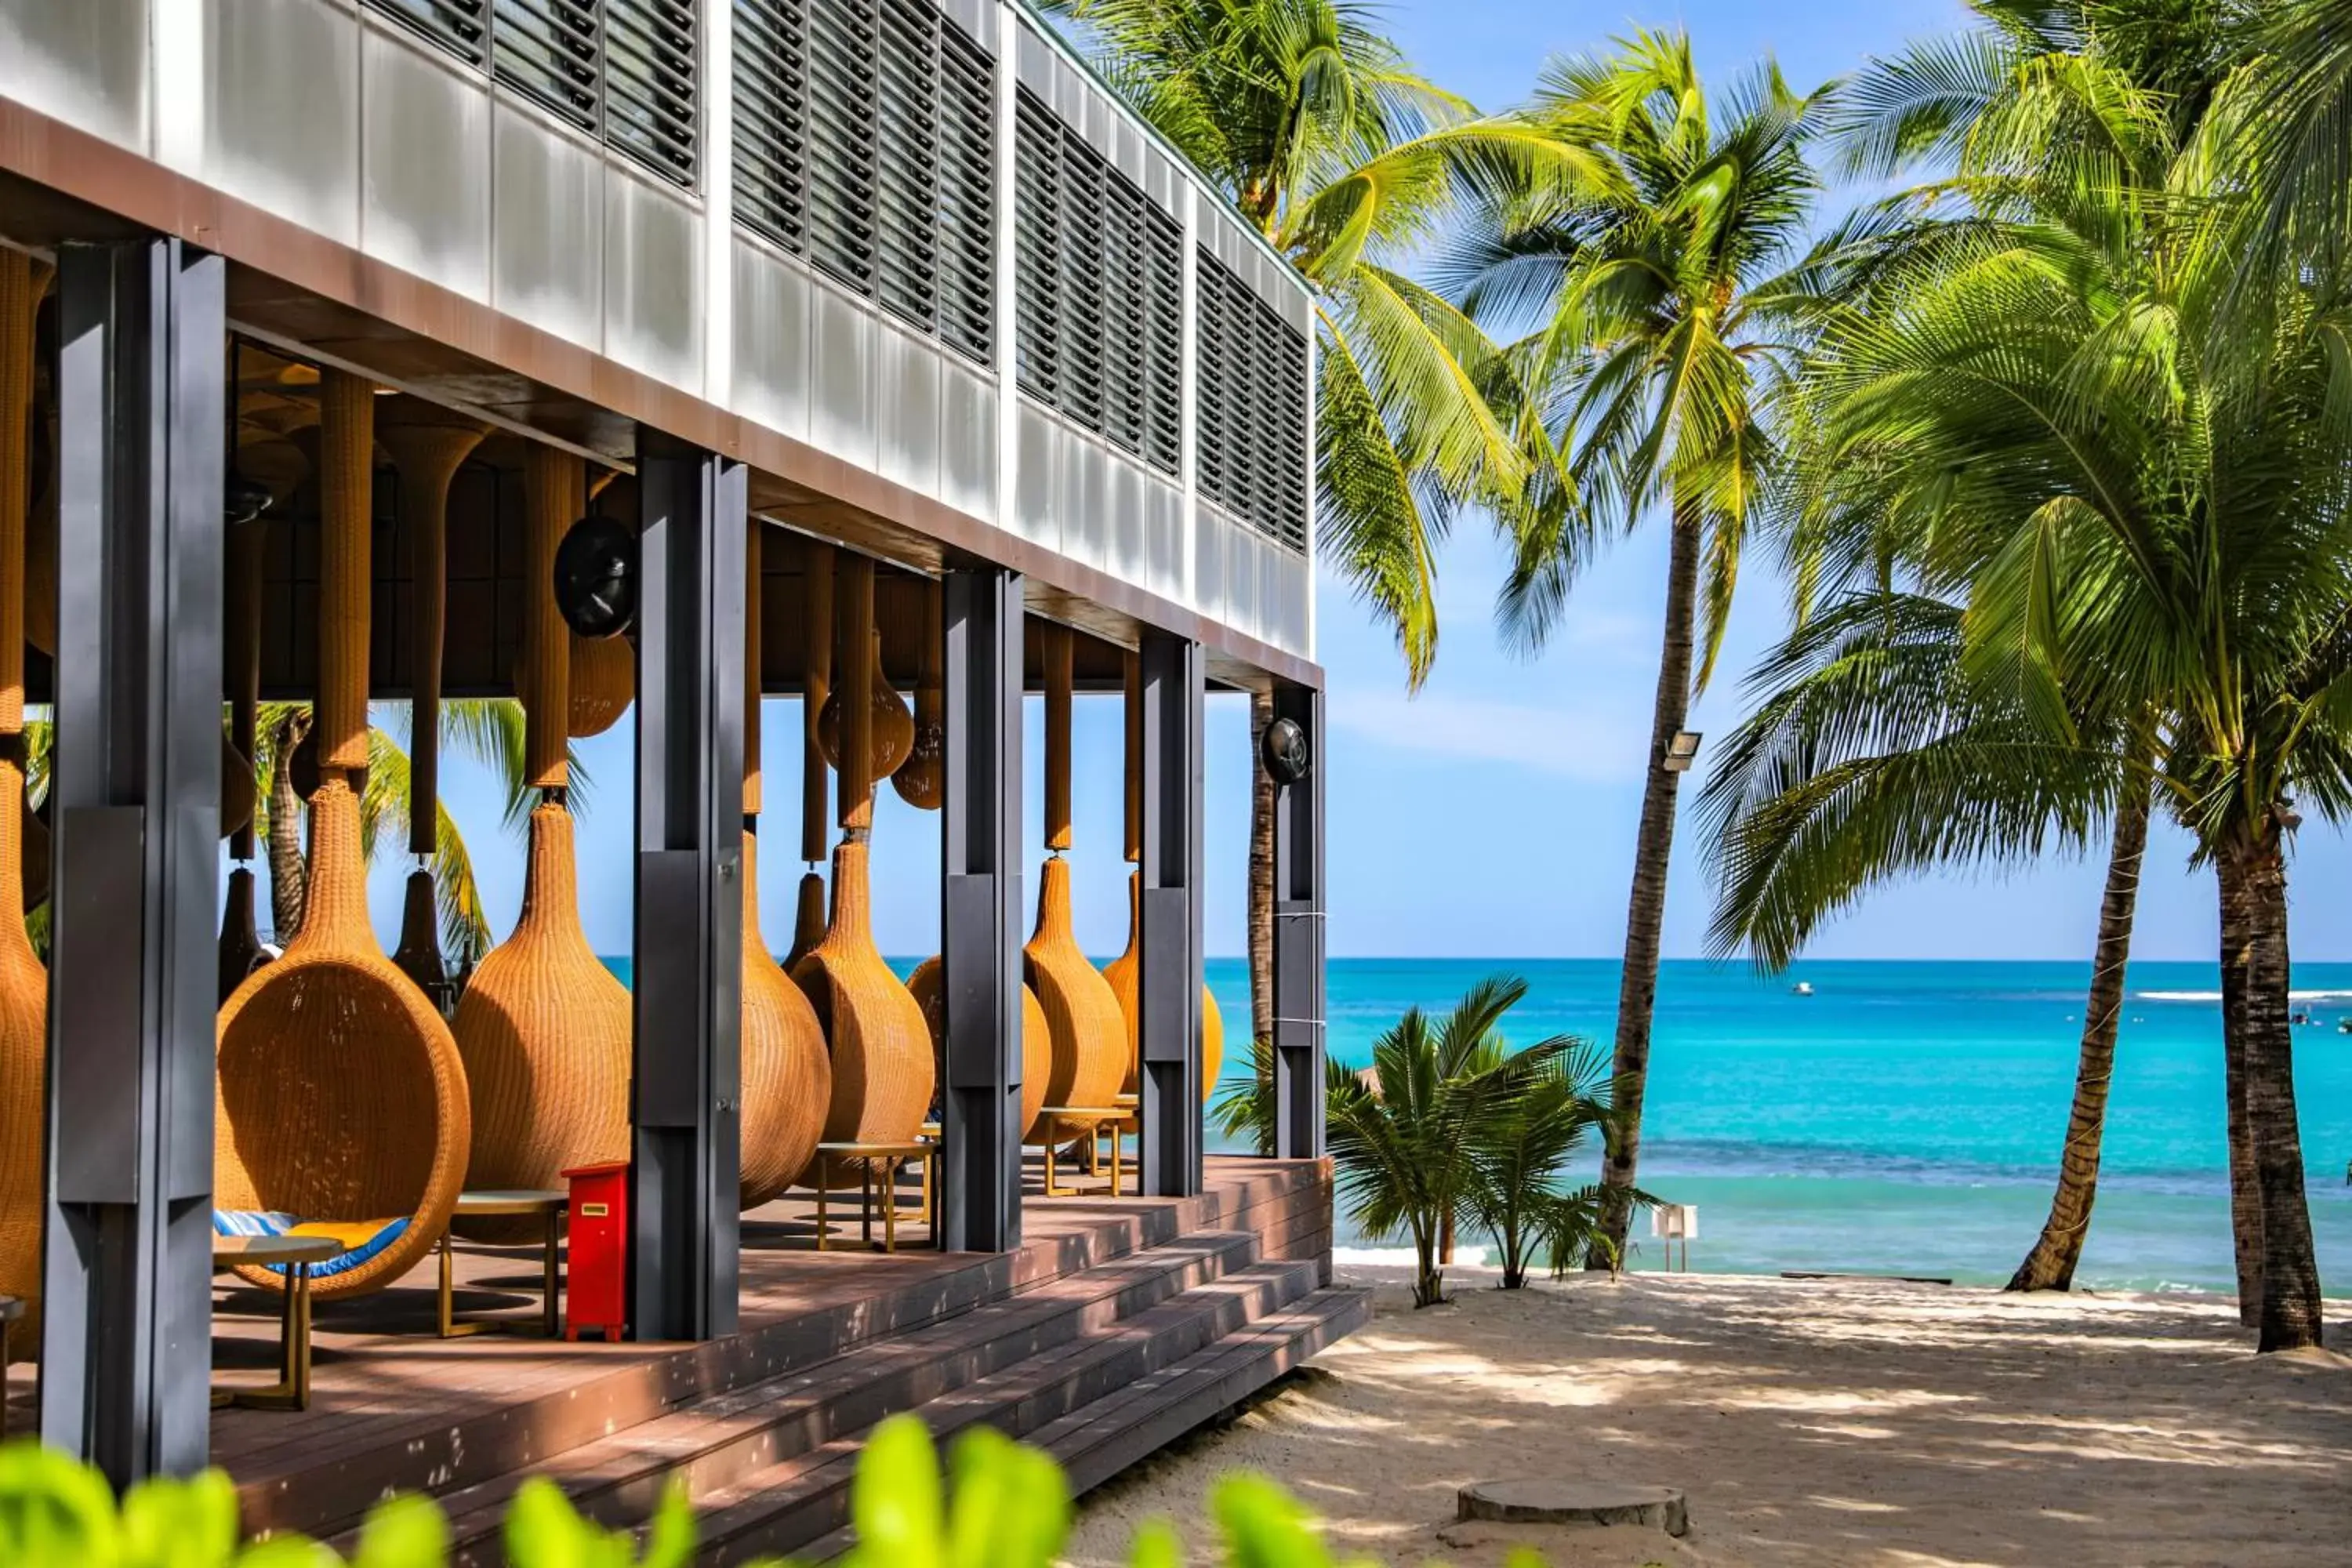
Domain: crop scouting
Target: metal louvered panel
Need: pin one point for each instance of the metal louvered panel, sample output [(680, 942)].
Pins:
[(1164, 359), (1250, 443), (841, 105), (906, 201), (460, 26), (1099, 314), (967, 207), (1036, 237), (772, 175), (651, 69), (548, 51)]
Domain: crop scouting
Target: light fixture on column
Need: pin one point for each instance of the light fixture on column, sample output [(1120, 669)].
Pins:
[(1682, 752)]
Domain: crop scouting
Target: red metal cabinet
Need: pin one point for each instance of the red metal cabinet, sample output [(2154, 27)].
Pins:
[(596, 1284)]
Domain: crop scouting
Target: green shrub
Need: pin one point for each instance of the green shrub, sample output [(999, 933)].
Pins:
[(1002, 1505)]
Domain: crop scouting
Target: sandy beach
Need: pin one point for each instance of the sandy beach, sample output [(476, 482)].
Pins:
[(1808, 1422)]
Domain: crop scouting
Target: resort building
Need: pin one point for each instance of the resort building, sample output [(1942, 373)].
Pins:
[(642, 356)]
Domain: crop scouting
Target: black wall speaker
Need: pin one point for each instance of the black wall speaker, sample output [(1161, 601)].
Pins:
[(1284, 746), (596, 577)]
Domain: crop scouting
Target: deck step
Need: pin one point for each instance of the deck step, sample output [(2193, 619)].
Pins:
[(716, 1440), (789, 1506)]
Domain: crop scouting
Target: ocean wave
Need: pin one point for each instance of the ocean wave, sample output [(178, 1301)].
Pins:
[(2216, 996)]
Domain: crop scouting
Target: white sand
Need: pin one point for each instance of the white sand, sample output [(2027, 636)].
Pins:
[(1808, 1423)]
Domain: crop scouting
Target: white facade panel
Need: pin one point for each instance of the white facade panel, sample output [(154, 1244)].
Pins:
[(425, 164)]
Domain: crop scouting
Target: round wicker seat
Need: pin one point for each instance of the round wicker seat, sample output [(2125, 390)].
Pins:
[(545, 1028), (1082, 1015), (883, 1072), (342, 1097), (1037, 1038), (787, 1079), (1125, 973)]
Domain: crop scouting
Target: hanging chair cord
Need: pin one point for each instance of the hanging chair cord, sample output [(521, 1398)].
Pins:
[(428, 458), (1132, 671), (553, 484), (854, 662), (816, 685), (1056, 646), (753, 681)]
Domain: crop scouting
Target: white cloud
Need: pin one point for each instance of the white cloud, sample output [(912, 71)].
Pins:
[(1584, 746)]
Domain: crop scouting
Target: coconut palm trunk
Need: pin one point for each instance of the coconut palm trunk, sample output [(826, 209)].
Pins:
[(2245, 1188), (1261, 874), (1645, 913), (2049, 1266), (288, 875), (2253, 874)]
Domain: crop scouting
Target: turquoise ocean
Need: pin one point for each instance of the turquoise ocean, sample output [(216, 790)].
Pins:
[(1907, 1117)]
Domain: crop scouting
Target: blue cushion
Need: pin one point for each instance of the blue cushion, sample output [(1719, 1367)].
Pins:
[(266, 1222)]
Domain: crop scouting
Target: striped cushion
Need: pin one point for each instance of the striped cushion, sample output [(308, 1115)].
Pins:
[(362, 1238)]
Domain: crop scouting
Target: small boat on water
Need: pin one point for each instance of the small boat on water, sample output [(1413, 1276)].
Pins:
[(1801, 988)]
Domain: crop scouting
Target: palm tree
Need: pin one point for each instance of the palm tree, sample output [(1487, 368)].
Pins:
[(1410, 1152), (2141, 515), (1348, 162), (1660, 310), (1869, 756)]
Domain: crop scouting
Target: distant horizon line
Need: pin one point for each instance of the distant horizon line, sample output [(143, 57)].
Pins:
[(1671, 958)]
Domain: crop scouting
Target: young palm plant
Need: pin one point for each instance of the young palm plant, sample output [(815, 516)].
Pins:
[(1558, 1104), (1661, 301), (1412, 1139), (1348, 163)]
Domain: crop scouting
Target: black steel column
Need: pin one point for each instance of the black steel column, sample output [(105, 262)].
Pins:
[(686, 1070), (1168, 1079), (126, 1346), (980, 915), (1299, 1002)]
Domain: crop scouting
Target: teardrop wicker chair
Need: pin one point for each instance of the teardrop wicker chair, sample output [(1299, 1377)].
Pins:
[(883, 1073), (787, 1079), (1037, 1038), (1125, 972), (342, 1105), (894, 727), (1082, 1015), (544, 1027), (24, 981)]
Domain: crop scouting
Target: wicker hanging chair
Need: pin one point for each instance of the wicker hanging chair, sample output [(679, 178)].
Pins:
[(787, 1079), (602, 683), (892, 726), (544, 1027), (1082, 1015), (23, 981), (342, 1102), (883, 1074), (1125, 972), (1036, 1038)]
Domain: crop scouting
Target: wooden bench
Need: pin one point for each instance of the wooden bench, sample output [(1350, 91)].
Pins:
[(1091, 1120), (887, 1157)]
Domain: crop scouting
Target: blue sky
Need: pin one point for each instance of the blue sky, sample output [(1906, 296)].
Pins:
[(1493, 814)]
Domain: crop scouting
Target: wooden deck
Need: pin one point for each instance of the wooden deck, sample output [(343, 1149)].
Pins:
[(828, 1343)]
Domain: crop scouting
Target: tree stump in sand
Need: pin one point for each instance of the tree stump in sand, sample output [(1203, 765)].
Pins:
[(1575, 1502)]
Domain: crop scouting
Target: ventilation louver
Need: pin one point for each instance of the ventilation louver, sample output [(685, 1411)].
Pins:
[(864, 142), (626, 71), (1098, 310), (1250, 443)]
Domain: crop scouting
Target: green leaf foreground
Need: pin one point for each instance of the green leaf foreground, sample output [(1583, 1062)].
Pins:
[(1000, 1505)]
